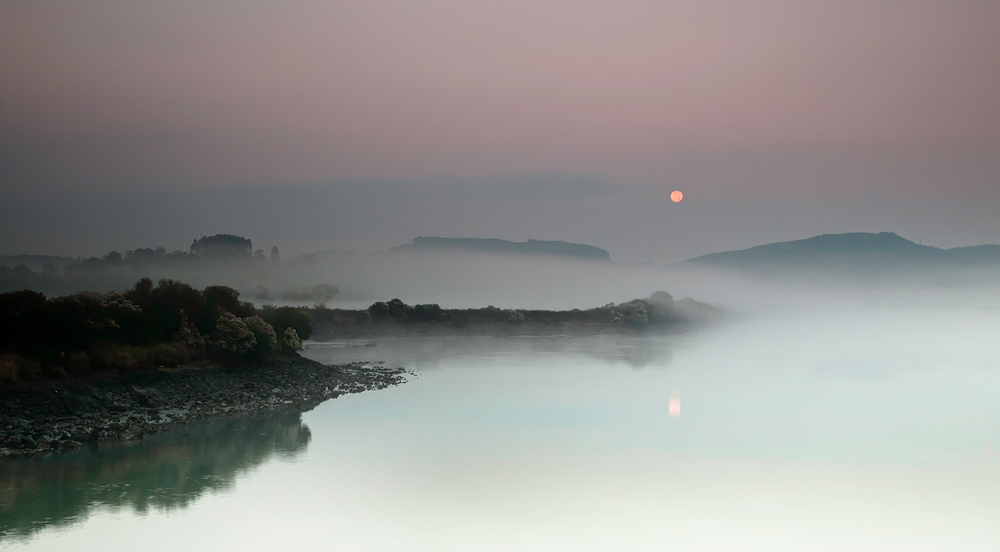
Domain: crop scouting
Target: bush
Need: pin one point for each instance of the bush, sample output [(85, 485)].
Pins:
[(515, 317), (392, 311), (290, 339), (283, 318), (263, 333), (426, 313), (188, 334), (233, 336), (226, 299), (161, 325), (633, 313)]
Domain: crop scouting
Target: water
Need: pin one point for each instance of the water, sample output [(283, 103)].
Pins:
[(860, 430)]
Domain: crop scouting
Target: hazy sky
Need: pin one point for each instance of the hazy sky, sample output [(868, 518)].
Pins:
[(777, 119)]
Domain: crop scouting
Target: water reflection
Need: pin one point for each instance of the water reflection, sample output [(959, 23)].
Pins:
[(864, 430), (166, 471)]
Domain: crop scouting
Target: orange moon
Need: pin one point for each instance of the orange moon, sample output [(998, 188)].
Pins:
[(676, 196)]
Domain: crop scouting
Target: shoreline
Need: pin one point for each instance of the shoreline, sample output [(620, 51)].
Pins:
[(67, 416), (329, 332)]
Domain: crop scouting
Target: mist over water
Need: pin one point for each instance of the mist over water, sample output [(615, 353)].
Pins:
[(838, 392), (817, 426)]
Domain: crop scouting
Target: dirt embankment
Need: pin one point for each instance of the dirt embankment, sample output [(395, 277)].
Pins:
[(72, 415)]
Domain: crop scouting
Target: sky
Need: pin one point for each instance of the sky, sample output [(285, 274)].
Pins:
[(360, 125)]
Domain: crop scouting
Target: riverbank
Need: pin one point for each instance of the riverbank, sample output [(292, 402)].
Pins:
[(328, 332), (658, 314), (38, 418)]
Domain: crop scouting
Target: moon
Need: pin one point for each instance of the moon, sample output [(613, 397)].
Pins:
[(676, 196)]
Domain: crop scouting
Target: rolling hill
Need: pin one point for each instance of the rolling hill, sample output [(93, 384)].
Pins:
[(857, 252)]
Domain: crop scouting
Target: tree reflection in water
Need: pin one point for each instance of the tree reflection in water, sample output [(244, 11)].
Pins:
[(166, 471)]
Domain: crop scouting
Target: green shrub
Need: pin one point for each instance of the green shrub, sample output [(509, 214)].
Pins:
[(233, 336), (290, 340), (283, 318)]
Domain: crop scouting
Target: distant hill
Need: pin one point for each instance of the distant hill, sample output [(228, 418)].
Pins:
[(856, 252), (490, 245)]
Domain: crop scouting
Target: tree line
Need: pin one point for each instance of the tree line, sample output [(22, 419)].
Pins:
[(149, 325)]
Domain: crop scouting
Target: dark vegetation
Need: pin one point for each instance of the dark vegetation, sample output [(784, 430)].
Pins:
[(222, 246), (147, 326), (657, 311), (210, 259)]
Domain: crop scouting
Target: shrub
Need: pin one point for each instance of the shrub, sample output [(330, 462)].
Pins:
[(263, 333), (290, 339), (226, 299), (392, 311), (633, 313), (515, 317), (426, 313), (233, 336), (379, 311), (283, 318), (188, 334)]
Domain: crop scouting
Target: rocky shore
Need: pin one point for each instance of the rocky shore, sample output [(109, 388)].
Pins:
[(72, 415)]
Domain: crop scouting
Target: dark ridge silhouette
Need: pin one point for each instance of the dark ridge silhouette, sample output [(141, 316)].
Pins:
[(853, 252), (492, 245)]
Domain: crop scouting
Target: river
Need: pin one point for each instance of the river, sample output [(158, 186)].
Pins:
[(850, 429)]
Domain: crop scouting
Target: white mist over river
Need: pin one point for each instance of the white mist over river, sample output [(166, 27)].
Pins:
[(854, 429)]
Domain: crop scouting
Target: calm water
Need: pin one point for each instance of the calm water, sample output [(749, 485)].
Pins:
[(871, 430)]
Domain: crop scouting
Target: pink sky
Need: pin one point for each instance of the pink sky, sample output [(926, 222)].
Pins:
[(777, 119), (296, 91)]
